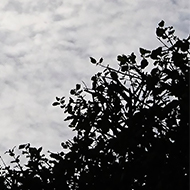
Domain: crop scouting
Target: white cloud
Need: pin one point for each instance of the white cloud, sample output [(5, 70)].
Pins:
[(45, 47)]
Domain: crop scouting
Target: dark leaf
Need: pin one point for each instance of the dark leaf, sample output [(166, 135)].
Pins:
[(32, 150), (132, 58), (14, 161), (72, 92), (155, 53), (55, 156), (101, 60), (144, 51), (171, 32), (119, 58), (62, 153), (93, 60), (57, 98), (114, 75), (55, 104), (161, 24), (64, 145), (39, 149), (63, 98), (22, 146), (124, 68), (68, 118), (124, 59), (144, 63), (78, 86), (93, 78), (160, 32)]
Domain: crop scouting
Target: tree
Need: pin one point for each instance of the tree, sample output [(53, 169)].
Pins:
[(132, 133)]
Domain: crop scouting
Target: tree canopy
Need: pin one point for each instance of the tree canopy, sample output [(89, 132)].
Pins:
[(132, 133)]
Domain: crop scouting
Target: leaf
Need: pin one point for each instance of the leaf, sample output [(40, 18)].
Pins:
[(114, 75), (155, 53), (64, 145), (160, 32), (55, 104), (22, 146), (17, 160), (72, 92), (14, 161), (68, 118), (161, 24), (32, 150), (93, 78), (63, 98), (144, 51), (62, 153), (101, 60), (39, 149), (119, 58), (124, 68), (144, 63), (55, 156), (123, 59), (57, 98), (62, 101), (78, 86), (171, 32), (133, 57), (93, 60)]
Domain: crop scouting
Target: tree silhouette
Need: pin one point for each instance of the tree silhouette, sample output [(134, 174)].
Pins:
[(132, 133)]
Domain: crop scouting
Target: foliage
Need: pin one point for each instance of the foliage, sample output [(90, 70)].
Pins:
[(132, 134)]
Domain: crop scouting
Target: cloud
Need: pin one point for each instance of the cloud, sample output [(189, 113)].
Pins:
[(45, 50)]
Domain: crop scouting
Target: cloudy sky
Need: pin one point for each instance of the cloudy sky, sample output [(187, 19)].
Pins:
[(45, 48)]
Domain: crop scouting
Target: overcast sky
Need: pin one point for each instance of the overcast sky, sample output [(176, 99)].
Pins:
[(45, 48)]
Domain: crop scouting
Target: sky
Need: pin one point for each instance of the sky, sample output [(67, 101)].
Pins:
[(45, 48)]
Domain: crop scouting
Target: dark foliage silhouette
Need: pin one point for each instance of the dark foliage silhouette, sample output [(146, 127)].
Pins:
[(132, 133)]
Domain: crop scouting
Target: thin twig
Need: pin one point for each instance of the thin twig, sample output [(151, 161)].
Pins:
[(3, 161), (162, 42)]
